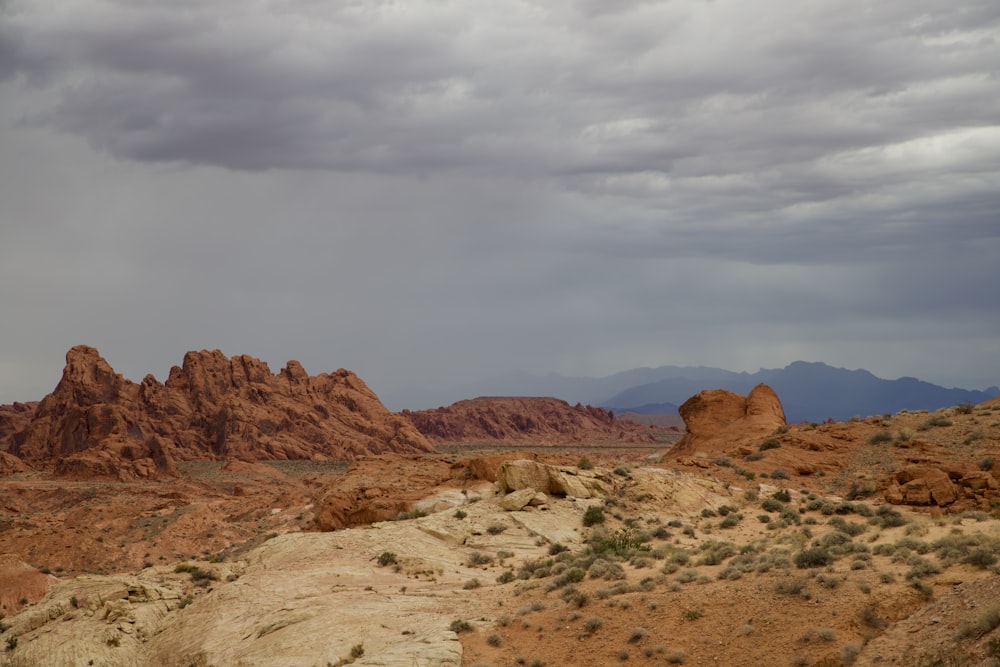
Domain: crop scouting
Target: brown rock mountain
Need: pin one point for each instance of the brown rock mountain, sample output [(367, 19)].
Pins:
[(523, 419), (717, 418), (211, 407)]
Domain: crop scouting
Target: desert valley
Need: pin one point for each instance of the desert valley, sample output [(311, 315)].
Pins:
[(232, 516)]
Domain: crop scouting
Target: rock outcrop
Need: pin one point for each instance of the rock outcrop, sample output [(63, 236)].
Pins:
[(96, 422), (551, 480), (942, 486), (717, 419), (15, 417), (524, 419)]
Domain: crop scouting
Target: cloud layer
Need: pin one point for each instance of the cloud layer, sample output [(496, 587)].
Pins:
[(431, 191)]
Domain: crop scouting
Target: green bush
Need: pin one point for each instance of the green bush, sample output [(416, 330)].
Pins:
[(770, 443), (593, 515), (813, 557), (585, 464), (880, 437), (386, 558)]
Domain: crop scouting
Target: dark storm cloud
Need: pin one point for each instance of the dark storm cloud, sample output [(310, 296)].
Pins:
[(470, 186)]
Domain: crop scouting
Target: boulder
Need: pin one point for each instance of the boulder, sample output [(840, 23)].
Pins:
[(718, 419), (517, 500)]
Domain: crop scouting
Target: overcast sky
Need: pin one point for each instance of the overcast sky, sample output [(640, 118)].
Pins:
[(430, 193)]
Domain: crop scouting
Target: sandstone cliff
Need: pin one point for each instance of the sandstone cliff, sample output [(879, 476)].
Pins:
[(525, 420), (211, 407)]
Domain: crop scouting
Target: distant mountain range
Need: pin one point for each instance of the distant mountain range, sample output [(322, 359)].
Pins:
[(809, 391)]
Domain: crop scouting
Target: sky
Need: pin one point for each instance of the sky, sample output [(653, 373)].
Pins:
[(430, 193)]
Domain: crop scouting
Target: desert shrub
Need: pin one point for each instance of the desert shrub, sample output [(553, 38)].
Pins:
[(779, 473), (723, 461), (764, 518), (674, 656), (753, 456), (934, 422), (730, 521), (477, 558), (813, 557), (593, 624), (570, 576), (386, 558), (471, 584), (460, 514), (861, 490), (620, 471), (692, 615), (870, 619), (849, 652), (713, 552), (879, 437), (987, 620), (637, 635), (585, 464), (826, 634), (605, 569), (791, 586), (981, 557), (459, 626), (687, 576), (357, 651), (496, 528), (964, 408), (770, 443), (557, 548), (986, 463), (506, 577), (886, 517), (782, 495), (593, 515), (849, 528), (772, 505)]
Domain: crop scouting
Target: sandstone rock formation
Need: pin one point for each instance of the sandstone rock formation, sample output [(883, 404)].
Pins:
[(716, 419), (942, 485), (526, 420), (15, 417), (551, 480), (211, 407)]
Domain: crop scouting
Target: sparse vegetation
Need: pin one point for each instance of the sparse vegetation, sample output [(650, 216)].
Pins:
[(593, 515)]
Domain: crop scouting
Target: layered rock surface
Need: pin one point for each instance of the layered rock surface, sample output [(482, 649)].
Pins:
[(214, 407), (524, 419)]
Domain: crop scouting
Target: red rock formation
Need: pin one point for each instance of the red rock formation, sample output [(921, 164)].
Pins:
[(97, 422), (718, 419), (20, 582), (517, 419), (15, 417)]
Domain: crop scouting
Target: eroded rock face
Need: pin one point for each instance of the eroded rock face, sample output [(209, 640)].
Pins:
[(718, 418), (536, 420), (14, 417), (98, 423), (548, 479)]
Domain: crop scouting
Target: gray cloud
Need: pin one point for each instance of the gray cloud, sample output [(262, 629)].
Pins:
[(429, 192)]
